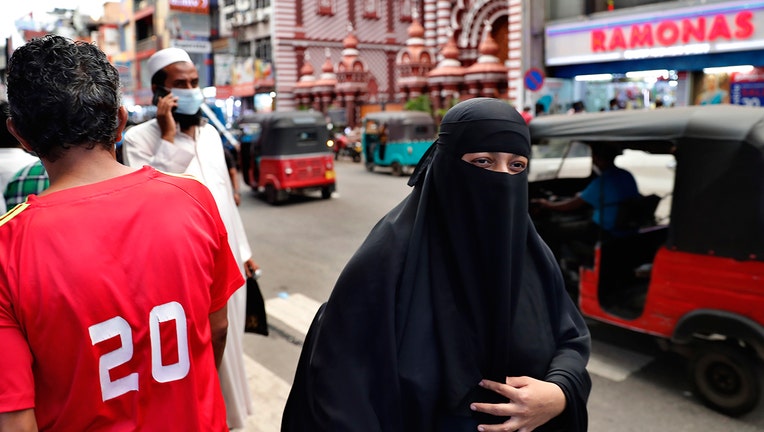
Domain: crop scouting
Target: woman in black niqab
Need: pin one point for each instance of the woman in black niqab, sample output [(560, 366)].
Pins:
[(451, 287)]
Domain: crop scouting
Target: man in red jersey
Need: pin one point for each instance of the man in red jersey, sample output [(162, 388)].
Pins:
[(114, 280)]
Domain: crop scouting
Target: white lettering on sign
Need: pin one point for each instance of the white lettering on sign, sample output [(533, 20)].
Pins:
[(734, 25)]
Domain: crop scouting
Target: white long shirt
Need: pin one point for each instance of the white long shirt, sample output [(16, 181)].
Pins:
[(201, 156)]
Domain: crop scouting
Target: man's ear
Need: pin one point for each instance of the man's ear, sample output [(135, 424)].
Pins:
[(12, 129), (122, 122)]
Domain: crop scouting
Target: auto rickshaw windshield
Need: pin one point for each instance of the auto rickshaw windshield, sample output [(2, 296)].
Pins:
[(717, 203)]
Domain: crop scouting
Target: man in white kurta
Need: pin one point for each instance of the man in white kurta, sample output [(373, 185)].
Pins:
[(197, 150)]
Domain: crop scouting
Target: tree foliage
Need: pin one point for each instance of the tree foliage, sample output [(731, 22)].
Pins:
[(419, 103)]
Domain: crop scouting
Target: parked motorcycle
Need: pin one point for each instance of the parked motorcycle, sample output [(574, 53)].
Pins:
[(344, 147), (352, 150)]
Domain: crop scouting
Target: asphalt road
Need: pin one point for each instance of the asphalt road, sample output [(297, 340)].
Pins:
[(303, 245)]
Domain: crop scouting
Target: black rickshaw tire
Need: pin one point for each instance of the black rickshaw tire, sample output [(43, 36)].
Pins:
[(326, 192), (271, 194), (725, 377), (397, 169)]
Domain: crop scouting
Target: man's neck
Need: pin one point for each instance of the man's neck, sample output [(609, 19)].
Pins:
[(80, 166)]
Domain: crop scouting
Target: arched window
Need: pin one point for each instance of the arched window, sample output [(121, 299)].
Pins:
[(406, 11), (325, 7), (371, 9)]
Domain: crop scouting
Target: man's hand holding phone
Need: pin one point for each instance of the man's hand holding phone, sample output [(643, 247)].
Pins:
[(165, 105)]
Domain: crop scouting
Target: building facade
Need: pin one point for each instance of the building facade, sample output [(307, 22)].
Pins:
[(654, 53), (146, 26), (243, 53), (346, 55)]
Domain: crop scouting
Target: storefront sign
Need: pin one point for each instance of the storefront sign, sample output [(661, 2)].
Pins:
[(671, 32), (223, 91), (192, 46), (223, 67), (193, 6), (720, 27), (248, 74), (125, 70), (748, 88), (188, 26)]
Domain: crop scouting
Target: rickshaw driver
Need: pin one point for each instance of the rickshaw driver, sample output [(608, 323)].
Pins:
[(382, 140), (612, 186)]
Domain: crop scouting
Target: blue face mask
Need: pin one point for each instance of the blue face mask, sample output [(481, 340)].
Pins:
[(189, 100)]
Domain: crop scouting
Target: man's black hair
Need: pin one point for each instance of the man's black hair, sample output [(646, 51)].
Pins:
[(7, 140), (63, 93), (159, 78)]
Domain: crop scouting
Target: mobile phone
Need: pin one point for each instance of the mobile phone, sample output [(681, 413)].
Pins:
[(160, 92)]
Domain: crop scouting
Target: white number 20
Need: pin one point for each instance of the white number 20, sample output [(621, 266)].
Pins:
[(117, 326)]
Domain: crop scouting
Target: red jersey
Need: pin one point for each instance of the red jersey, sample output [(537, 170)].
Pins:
[(105, 296)]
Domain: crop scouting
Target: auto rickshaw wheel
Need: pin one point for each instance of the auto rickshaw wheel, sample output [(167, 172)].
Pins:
[(725, 378), (271, 194), (326, 192), (397, 169), (356, 157)]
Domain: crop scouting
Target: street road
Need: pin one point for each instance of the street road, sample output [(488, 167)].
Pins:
[(302, 246)]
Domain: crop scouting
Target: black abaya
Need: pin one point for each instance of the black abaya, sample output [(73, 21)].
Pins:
[(452, 286)]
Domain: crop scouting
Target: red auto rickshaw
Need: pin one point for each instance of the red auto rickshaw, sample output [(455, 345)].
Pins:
[(694, 277), (290, 155)]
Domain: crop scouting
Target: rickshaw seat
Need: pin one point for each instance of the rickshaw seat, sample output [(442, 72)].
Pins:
[(626, 267), (636, 213)]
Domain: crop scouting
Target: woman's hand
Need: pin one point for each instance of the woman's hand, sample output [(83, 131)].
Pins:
[(531, 404), (250, 267)]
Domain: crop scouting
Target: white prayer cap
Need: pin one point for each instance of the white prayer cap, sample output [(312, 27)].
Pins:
[(163, 58)]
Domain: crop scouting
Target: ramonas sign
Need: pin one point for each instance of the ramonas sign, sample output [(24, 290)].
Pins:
[(672, 32), (729, 26)]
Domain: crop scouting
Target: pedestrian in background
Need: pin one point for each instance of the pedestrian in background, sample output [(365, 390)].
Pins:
[(179, 140), (32, 179), (452, 315), (577, 108), (12, 156), (114, 280), (540, 109), (527, 115)]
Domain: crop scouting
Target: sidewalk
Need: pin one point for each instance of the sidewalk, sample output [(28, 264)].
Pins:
[(269, 394)]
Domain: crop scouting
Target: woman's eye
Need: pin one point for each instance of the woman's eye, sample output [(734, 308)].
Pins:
[(482, 162), (517, 167)]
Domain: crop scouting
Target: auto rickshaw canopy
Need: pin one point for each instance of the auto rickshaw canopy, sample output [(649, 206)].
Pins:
[(289, 132), (401, 125), (718, 198)]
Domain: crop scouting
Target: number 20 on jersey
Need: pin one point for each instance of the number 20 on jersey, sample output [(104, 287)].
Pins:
[(118, 326)]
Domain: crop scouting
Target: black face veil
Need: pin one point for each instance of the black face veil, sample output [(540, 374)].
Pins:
[(452, 286)]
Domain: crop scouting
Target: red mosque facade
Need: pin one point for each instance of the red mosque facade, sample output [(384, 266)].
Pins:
[(348, 54)]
